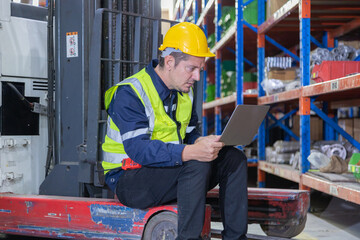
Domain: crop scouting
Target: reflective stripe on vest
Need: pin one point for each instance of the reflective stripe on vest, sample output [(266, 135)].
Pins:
[(189, 129), (114, 157)]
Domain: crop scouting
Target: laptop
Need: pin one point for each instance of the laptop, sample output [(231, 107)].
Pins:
[(243, 124)]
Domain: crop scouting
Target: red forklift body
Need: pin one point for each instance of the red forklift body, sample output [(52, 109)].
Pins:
[(76, 217)]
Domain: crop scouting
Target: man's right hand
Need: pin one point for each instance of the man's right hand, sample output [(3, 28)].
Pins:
[(205, 149)]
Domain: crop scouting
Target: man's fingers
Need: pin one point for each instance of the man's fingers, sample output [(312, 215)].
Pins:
[(217, 144)]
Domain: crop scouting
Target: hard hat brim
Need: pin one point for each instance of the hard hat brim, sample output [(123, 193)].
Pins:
[(207, 54)]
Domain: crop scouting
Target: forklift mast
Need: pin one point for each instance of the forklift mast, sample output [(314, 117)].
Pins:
[(97, 44)]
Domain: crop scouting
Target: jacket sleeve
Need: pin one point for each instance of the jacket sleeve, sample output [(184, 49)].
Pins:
[(128, 113)]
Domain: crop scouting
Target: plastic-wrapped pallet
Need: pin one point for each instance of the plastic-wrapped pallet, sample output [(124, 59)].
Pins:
[(270, 154), (286, 146), (318, 159)]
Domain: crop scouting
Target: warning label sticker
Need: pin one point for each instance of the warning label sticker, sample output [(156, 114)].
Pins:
[(72, 44)]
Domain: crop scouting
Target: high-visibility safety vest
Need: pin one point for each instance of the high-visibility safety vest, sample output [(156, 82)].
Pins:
[(161, 126)]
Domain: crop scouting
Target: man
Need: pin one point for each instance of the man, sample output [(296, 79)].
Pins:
[(152, 123)]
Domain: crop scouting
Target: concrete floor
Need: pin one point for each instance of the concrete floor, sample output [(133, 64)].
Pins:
[(329, 218), (315, 228)]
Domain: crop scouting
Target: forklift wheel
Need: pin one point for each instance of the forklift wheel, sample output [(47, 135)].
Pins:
[(285, 231), (162, 226)]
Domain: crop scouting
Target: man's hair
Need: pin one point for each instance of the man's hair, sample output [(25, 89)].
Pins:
[(178, 56)]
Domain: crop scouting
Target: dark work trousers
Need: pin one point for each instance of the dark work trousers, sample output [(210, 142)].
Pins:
[(188, 185)]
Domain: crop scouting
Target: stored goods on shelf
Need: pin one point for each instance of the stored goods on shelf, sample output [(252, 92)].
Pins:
[(272, 86), (210, 92), (280, 76), (336, 165), (282, 151), (355, 44), (347, 125), (318, 159), (228, 79), (329, 70), (319, 55), (227, 18), (250, 12), (294, 160), (272, 6), (343, 149), (278, 62), (354, 166), (211, 40), (283, 74), (286, 146), (344, 53), (334, 149), (340, 53), (356, 129), (316, 130)]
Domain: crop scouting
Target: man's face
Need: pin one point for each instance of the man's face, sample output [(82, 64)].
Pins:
[(184, 75)]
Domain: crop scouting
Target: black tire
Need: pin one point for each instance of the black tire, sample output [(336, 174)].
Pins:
[(285, 231), (161, 226)]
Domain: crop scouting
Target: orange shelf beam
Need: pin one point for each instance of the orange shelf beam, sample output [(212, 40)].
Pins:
[(280, 97), (280, 170), (347, 191), (333, 86), (227, 100)]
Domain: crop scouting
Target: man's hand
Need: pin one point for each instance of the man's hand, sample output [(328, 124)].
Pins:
[(204, 149)]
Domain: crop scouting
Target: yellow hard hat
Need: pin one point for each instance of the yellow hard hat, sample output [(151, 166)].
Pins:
[(188, 38)]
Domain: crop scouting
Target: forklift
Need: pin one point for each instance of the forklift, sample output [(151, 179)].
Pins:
[(53, 122)]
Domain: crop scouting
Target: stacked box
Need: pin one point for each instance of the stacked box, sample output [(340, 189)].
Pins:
[(316, 127), (211, 40), (228, 17), (348, 125), (250, 13), (282, 74), (210, 92), (228, 78), (272, 6), (228, 83), (250, 81), (356, 129)]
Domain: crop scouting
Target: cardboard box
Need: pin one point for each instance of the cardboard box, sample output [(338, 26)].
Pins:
[(348, 125), (354, 44), (272, 6), (356, 130), (284, 75), (316, 127)]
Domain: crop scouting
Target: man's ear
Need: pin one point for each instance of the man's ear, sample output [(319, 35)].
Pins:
[(169, 62)]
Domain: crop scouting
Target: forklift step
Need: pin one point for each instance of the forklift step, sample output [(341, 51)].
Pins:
[(280, 212)]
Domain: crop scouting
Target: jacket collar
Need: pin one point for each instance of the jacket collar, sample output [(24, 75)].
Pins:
[(159, 84)]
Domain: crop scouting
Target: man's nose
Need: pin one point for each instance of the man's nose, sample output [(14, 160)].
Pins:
[(196, 75)]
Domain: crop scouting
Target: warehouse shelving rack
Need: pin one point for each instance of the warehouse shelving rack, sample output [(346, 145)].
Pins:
[(330, 19)]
